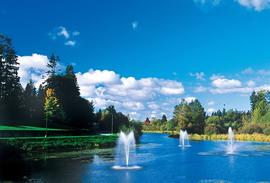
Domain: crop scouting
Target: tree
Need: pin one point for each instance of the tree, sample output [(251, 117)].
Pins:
[(198, 116), (79, 112), (52, 65), (183, 116), (52, 108), (171, 125), (30, 100), (10, 87), (259, 111), (164, 118), (190, 116), (214, 125), (110, 118), (253, 100)]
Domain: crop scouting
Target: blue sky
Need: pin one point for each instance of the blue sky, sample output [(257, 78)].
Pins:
[(213, 50)]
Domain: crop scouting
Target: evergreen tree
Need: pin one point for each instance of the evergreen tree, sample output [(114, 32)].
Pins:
[(30, 100), (10, 87), (253, 100), (52, 65), (79, 112), (198, 117), (164, 118)]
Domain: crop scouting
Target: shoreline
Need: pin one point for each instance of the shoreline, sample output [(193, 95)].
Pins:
[(33, 146), (239, 137)]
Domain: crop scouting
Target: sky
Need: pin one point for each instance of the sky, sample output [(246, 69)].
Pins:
[(145, 56)]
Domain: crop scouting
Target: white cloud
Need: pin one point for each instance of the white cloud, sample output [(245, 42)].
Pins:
[(257, 5), (251, 83), (198, 75), (261, 72), (93, 77), (134, 105), (210, 110), (190, 99), (210, 103), (223, 83), (63, 33), (200, 89), (32, 67), (70, 43), (129, 94)]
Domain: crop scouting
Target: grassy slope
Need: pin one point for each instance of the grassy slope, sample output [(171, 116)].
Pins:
[(27, 128)]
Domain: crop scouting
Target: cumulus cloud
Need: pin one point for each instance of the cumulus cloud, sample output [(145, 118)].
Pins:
[(223, 83), (137, 96), (257, 5), (32, 67), (223, 86), (189, 99), (210, 110)]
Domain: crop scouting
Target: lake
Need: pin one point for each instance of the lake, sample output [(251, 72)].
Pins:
[(163, 161)]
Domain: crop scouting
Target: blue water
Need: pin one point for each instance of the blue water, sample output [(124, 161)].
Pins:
[(163, 161)]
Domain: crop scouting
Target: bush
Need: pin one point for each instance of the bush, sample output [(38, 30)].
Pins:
[(266, 131), (210, 129), (251, 128)]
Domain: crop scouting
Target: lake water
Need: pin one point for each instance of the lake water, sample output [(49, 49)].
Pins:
[(163, 161)]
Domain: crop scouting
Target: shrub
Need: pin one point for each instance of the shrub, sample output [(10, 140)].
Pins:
[(210, 129), (251, 128), (266, 131)]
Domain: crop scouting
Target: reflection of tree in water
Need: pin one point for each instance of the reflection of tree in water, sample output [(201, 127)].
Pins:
[(12, 165)]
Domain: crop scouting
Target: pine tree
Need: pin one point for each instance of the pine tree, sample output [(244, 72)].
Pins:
[(253, 100), (52, 65), (10, 87), (30, 100), (164, 118)]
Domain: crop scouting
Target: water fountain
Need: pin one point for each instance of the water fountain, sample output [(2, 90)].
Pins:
[(183, 139), (230, 143), (125, 152)]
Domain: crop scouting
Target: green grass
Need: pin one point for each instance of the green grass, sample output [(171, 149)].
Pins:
[(27, 128)]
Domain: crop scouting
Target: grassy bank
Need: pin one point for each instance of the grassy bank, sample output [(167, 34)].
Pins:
[(27, 128), (60, 143), (240, 137)]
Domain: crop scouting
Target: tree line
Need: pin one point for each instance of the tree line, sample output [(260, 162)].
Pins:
[(192, 117), (56, 102)]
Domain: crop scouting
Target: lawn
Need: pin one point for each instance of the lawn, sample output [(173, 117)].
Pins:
[(27, 128)]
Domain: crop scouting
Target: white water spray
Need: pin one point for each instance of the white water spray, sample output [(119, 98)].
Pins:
[(183, 139)]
